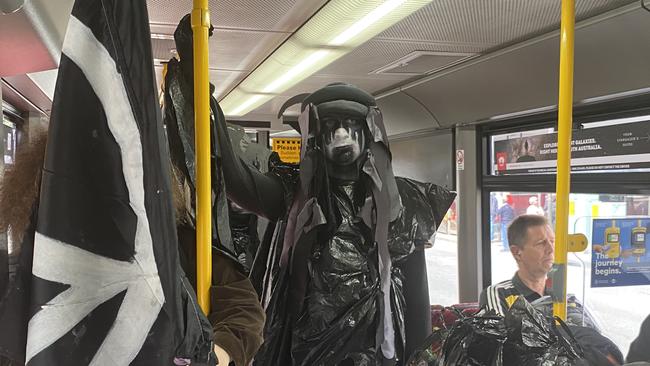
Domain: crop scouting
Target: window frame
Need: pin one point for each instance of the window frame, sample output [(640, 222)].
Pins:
[(599, 183)]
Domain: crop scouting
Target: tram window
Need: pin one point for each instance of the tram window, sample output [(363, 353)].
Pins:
[(412, 159), (9, 142), (616, 226), (442, 262)]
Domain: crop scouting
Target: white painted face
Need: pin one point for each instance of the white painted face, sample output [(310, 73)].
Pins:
[(343, 137)]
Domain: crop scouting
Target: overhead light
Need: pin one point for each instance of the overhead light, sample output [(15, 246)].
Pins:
[(252, 100), (619, 121), (295, 71), (312, 48), (629, 93), (366, 21), (524, 113)]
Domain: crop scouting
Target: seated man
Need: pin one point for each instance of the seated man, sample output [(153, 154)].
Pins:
[(532, 244)]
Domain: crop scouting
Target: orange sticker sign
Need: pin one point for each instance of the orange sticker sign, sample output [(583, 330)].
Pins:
[(288, 148)]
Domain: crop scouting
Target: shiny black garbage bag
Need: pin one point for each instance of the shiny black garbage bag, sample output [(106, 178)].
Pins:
[(430, 351), (536, 340), (424, 207), (524, 337), (245, 240)]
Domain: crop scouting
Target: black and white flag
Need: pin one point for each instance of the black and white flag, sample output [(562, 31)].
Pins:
[(106, 284)]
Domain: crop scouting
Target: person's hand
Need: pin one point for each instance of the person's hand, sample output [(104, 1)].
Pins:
[(222, 356)]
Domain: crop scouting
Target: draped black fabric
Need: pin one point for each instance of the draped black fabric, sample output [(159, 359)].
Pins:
[(179, 121), (325, 274), (106, 284)]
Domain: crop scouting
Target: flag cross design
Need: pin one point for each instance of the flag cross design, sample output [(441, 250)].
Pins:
[(94, 279)]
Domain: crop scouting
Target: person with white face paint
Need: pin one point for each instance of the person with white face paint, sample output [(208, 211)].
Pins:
[(343, 139), (346, 258)]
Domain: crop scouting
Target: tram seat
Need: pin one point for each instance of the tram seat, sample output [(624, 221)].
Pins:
[(443, 317)]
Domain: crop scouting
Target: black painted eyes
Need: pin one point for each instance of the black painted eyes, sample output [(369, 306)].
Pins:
[(333, 123), (330, 123)]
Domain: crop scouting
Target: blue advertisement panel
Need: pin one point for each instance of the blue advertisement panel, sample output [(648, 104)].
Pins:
[(619, 252)]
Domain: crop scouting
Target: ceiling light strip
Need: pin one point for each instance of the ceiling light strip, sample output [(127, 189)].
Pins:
[(308, 50)]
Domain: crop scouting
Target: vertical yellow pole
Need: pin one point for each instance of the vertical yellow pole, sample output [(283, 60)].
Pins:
[(565, 119), (200, 29)]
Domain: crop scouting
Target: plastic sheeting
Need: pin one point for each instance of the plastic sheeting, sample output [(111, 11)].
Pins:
[(245, 240), (345, 275), (524, 337), (424, 205)]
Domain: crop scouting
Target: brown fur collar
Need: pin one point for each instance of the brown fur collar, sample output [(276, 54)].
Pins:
[(180, 197), (20, 186)]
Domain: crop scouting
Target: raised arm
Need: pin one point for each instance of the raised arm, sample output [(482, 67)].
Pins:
[(260, 193)]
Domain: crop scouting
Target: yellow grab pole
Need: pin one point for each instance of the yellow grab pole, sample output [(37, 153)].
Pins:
[(565, 119), (200, 29)]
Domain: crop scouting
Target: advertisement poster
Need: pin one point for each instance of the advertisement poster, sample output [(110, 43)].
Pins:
[(460, 159), (619, 252), (608, 147)]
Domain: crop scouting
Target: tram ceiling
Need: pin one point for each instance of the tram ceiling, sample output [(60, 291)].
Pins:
[(455, 31), (455, 48), (611, 54), (440, 35), (32, 35)]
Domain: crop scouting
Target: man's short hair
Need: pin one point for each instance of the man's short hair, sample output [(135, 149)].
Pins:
[(518, 228)]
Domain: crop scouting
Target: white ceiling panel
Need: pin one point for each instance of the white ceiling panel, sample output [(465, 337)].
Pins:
[(225, 80), (242, 50), (369, 84), (378, 53), (461, 26), (222, 80), (489, 22), (229, 50), (610, 57), (276, 15), (246, 32)]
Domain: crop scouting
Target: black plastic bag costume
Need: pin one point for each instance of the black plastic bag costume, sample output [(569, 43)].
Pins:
[(332, 282), (179, 122), (524, 337), (235, 315), (243, 226)]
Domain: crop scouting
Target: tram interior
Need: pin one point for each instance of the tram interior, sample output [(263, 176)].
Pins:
[(448, 76)]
